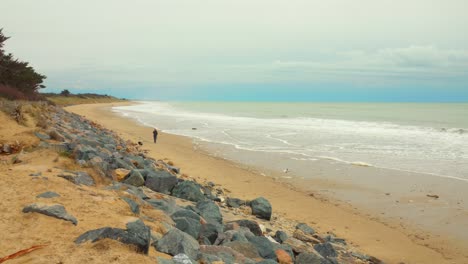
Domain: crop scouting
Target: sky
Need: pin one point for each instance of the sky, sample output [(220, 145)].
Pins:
[(246, 50)]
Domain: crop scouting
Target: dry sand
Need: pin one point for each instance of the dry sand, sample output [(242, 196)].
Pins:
[(93, 207), (392, 241)]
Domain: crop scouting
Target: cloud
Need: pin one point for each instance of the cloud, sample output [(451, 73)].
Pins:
[(418, 62)]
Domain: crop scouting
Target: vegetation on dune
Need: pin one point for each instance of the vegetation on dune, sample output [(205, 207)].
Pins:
[(18, 80), (67, 98)]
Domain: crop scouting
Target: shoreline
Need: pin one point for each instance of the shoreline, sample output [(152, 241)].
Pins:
[(389, 241)]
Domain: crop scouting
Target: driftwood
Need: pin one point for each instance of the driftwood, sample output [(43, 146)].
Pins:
[(22, 252)]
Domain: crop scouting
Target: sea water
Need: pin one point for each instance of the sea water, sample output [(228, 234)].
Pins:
[(426, 138)]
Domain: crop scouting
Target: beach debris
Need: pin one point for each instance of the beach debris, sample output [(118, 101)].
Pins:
[(435, 196), (194, 128), (22, 252), (286, 170)]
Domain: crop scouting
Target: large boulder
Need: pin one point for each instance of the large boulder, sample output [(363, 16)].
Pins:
[(228, 255), (234, 202), (253, 226), (261, 208), (161, 181), (305, 228), (297, 245), (280, 236), (135, 178), (121, 174), (78, 178), (209, 233), (210, 212), (245, 248), (326, 250), (188, 225), (163, 205), (188, 190), (264, 246), (177, 242), (310, 258), (137, 234), (133, 205), (56, 210)]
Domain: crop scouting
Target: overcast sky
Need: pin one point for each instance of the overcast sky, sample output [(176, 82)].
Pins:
[(329, 50)]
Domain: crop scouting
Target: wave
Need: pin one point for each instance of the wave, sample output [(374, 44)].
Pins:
[(357, 143)]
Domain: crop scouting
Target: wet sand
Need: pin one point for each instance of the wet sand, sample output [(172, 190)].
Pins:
[(375, 234)]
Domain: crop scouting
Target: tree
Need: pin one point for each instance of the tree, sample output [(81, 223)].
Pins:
[(18, 74), (65, 92)]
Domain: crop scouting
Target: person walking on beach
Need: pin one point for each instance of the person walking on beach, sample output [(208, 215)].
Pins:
[(155, 135)]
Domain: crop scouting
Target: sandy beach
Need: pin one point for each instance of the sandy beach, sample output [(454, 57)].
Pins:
[(390, 240)]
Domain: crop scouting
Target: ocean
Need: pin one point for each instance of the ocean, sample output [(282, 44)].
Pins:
[(428, 138)]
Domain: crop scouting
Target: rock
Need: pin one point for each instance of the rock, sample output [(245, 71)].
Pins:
[(188, 225), (136, 191), (182, 259), (228, 255), (299, 234), (297, 245), (133, 205), (78, 178), (326, 250), (6, 148), (264, 247), (280, 236), (188, 190), (285, 248), (136, 234), (48, 195), (164, 261), (173, 169), (210, 259), (55, 135), (120, 174), (42, 136), (245, 248), (333, 239), (184, 213), (251, 225), (162, 205), (37, 174), (305, 228), (234, 202), (56, 210), (267, 261), (162, 182), (135, 179), (210, 212), (283, 257), (210, 232), (310, 258), (261, 208), (176, 242)]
